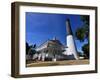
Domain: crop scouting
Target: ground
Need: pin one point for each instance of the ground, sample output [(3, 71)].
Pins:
[(51, 63)]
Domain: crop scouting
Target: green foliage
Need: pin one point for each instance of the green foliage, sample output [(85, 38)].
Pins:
[(27, 48), (85, 19), (80, 34), (30, 50), (80, 54), (85, 49)]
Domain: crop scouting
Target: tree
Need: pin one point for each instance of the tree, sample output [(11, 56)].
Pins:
[(85, 19), (80, 53), (85, 49), (86, 23), (27, 48), (32, 50), (82, 33)]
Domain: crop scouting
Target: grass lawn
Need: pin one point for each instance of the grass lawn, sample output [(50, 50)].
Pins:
[(51, 63)]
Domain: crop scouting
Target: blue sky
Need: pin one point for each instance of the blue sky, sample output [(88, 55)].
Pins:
[(43, 26)]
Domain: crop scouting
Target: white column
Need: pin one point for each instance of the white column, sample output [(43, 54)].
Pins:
[(71, 50), (43, 56)]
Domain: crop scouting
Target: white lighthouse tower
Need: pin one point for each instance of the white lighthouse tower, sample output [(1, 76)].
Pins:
[(71, 47)]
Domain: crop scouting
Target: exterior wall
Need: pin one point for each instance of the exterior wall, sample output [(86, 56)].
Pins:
[(71, 50)]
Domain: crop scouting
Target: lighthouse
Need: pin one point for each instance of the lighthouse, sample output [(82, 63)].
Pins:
[(71, 47)]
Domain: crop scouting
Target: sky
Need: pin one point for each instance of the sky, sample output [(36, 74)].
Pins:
[(41, 27)]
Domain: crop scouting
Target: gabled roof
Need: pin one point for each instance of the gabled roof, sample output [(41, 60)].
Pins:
[(52, 42)]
